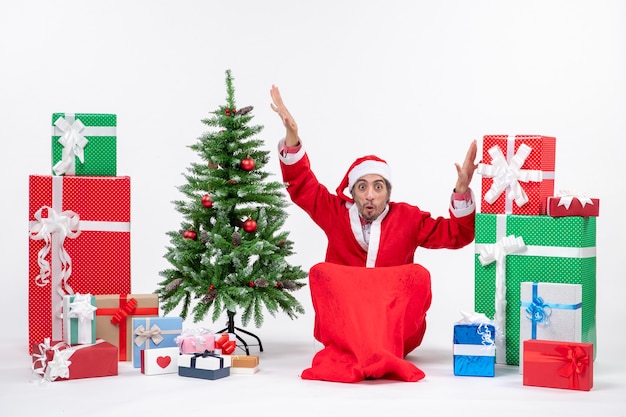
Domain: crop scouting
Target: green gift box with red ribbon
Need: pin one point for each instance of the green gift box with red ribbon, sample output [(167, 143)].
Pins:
[(114, 318), (511, 249), (79, 242), (84, 144)]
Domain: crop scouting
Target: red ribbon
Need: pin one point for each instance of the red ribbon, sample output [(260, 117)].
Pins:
[(576, 362), (575, 358), (120, 315), (123, 312), (228, 346)]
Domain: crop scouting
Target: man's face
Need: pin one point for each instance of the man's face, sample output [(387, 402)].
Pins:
[(370, 195)]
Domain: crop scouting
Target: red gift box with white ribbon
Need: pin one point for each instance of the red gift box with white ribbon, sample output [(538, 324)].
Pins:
[(79, 242), (58, 361), (517, 173), (570, 203)]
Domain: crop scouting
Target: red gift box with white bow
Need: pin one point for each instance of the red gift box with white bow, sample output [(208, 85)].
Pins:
[(517, 173), (58, 361), (568, 203)]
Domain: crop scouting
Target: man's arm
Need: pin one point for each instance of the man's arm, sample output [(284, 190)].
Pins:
[(291, 135), (466, 171)]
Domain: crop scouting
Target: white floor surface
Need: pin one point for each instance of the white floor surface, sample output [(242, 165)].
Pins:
[(277, 390)]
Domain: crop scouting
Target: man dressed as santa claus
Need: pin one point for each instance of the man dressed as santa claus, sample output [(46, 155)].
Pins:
[(365, 228)]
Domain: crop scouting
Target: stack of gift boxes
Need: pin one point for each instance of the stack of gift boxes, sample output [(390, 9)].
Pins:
[(82, 317), (535, 264)]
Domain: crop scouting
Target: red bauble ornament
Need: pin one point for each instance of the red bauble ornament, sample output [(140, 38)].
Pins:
[(227, 111), (211, 287), (232, 182), (249, 226), (247, 164), (251, 284), (206, 201), (190, 234)]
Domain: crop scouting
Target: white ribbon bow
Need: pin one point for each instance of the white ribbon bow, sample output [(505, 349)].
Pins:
[(154, 334), (73, 143), (59, 366), (482, 321), (568, 195), (508, 175), (81, 308), (65, 224)]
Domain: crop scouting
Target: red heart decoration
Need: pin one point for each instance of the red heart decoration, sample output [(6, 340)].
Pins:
[(163, 361)]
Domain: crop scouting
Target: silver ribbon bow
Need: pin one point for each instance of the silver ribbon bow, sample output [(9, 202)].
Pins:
[(143, 335)]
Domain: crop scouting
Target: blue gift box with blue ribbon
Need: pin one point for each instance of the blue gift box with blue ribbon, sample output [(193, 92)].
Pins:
[(474, 349), (550, 311)]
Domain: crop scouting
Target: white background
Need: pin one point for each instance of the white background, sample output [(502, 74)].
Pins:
[(413, 82)]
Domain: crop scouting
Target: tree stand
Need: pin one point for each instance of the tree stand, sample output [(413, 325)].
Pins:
[(230, 328)]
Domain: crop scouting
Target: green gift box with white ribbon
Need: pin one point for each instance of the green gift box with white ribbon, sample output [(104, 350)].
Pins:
[(84, 144), (79, 319), (511, 249)]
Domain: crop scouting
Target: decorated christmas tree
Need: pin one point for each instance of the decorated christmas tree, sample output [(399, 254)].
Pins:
[(230, 254)]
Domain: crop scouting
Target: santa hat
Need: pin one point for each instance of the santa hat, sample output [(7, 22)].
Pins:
[(365, 165)]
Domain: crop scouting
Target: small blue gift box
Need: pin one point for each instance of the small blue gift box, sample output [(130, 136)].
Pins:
[(474, 349), (205, 365), (154, 332)]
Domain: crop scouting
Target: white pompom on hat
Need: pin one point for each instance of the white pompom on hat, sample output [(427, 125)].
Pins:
[(365, 165)]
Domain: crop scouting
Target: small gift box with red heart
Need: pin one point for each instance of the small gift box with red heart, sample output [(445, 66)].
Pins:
[(159, 361), (570, 203), (558, 364)]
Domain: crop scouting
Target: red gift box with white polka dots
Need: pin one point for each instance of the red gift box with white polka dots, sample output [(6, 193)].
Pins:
[(521, 183), (79, 242)]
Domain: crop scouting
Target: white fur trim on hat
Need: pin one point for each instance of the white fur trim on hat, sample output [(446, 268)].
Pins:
[(368, 167)]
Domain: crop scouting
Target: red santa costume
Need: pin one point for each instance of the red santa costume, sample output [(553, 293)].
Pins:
[(387, 243)]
